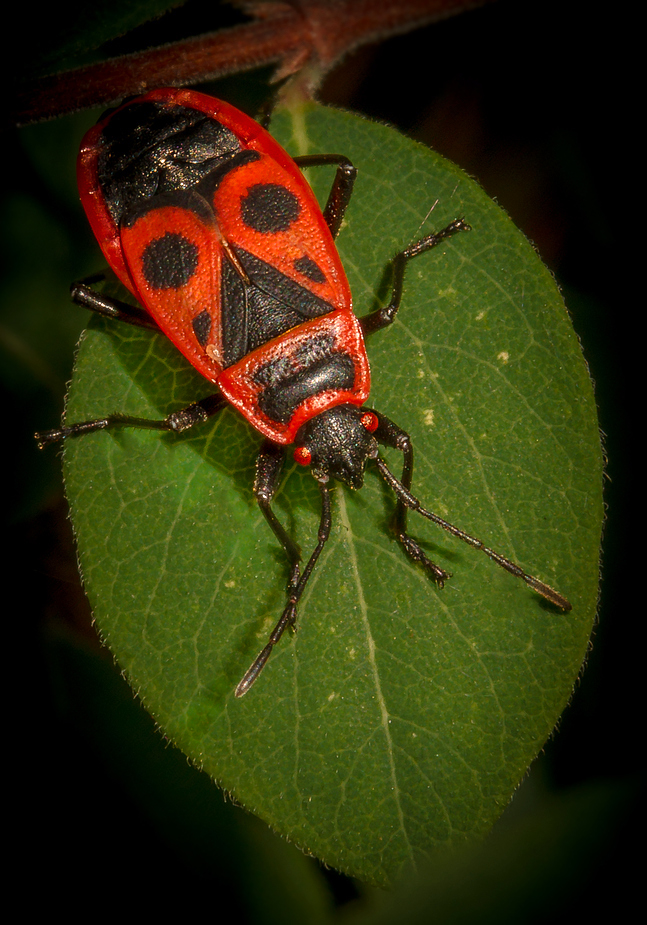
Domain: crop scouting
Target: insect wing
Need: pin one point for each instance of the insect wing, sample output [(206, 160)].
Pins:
[(270, 216), (174, 256)]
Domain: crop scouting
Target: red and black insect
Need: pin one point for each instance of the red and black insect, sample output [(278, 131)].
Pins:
[(211, 226)]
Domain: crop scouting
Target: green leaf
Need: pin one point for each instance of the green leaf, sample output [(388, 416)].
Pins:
[(400, 718)]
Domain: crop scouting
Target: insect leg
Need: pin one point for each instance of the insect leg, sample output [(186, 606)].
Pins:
[(342, 187), (389, 434), (177, 422), (383, 317), (269, 464), (289, 615), (86, 297)]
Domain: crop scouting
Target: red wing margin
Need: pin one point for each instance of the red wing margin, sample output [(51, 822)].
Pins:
[(174, 254)]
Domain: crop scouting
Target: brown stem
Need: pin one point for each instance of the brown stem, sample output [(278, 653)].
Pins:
[(290, 34)]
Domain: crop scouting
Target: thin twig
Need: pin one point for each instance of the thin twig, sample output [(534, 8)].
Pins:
[(289, 34)]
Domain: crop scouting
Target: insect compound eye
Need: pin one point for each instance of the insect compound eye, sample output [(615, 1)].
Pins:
[(303, 456), (369, 421)]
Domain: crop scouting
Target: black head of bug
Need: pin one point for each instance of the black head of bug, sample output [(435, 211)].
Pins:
[(338, 444)]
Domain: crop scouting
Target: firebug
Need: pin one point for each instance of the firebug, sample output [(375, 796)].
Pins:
[(212, 227)]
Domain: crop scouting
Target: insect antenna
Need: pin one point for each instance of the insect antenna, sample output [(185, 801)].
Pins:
[(409, 501)]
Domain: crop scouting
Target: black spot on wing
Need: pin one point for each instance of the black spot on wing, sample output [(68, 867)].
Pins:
[(201, 325), (169, 262), (269, 207), (307, 267)]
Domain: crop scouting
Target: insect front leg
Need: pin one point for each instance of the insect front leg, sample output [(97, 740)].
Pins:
[(295, 588), (383, 317), (389, 434), (177, 422), (269, 465)]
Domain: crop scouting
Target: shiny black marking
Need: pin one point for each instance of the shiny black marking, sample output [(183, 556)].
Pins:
[(201, 325), (150, 148), (273, 374), (280, 401), (307, 267), (313, 350), (169, 262), (269, 207), (198, 199)]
